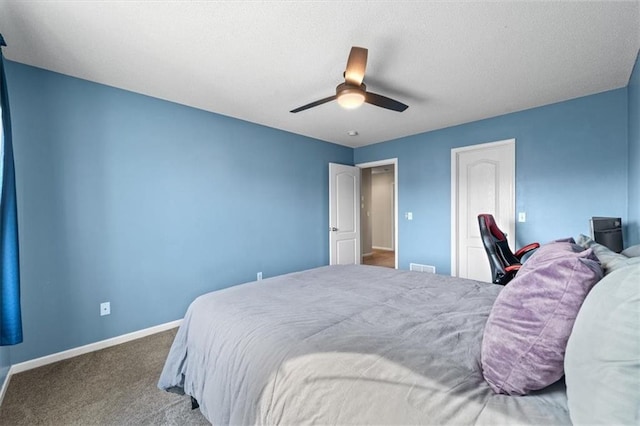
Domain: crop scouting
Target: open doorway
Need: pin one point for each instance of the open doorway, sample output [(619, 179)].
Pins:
[(378, 213)]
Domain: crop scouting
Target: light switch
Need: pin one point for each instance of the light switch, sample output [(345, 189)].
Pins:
[(522, 217), (409, 215)]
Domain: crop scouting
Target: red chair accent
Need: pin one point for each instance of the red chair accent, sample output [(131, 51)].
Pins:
[(504, 263)]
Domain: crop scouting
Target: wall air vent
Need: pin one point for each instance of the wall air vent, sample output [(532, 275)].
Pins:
[(422, 268)]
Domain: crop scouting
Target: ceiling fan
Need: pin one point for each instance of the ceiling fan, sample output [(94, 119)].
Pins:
[(353, 92)]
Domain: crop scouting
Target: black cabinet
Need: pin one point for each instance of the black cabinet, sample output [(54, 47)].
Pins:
[(608, 232)]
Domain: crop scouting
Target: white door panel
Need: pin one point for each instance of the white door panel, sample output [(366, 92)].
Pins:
[(346, 185), (484, 183), (477, 267), (346, 252), (344, 214)]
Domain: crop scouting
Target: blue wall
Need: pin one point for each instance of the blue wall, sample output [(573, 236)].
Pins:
[(147, 204), (5, 364), (571, 164), (634, 155)]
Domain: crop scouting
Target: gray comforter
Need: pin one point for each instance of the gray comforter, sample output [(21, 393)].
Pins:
[(344, 345)]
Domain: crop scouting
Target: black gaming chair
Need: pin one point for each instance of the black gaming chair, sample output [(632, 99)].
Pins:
[(504, 263)]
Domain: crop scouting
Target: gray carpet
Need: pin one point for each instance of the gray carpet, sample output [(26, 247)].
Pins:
[(113, 386)]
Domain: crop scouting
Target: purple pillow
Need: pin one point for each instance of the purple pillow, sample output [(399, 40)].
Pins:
[(527, 330)]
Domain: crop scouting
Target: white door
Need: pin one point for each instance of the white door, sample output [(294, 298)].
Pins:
[(483, 181), (344, 214)]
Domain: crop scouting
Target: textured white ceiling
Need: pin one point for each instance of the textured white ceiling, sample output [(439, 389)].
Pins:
[(451, 62)]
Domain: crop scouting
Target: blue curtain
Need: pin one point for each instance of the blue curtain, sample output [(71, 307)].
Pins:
[(10, 315)]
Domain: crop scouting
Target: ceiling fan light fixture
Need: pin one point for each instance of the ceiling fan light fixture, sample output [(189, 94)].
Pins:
[(349, 96), (350, 100)]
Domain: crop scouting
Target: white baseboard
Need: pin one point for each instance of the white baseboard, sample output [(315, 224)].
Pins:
[(91, 347), (383, 248), (367, 254)]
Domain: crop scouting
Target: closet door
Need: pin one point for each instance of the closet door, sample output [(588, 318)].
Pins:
[(483, 181)]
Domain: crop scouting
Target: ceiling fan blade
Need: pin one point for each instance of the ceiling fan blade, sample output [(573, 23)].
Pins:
[(356, 65), (314, 104), (384, 102)]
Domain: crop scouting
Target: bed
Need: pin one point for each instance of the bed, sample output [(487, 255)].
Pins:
[(370, 345)]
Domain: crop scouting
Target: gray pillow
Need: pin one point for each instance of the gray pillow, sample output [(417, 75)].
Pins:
[(527, 330), (602, 362)]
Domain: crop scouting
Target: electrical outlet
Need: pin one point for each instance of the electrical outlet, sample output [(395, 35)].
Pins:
[(259, 276), (105, 308)]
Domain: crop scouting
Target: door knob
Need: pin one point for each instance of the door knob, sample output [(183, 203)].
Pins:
[(333, 229)]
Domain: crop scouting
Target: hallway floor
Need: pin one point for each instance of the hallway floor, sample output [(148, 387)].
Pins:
[(381, 258)]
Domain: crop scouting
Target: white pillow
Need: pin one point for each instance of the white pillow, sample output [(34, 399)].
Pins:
[(602, 360), (633, 251), (609, 259)]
